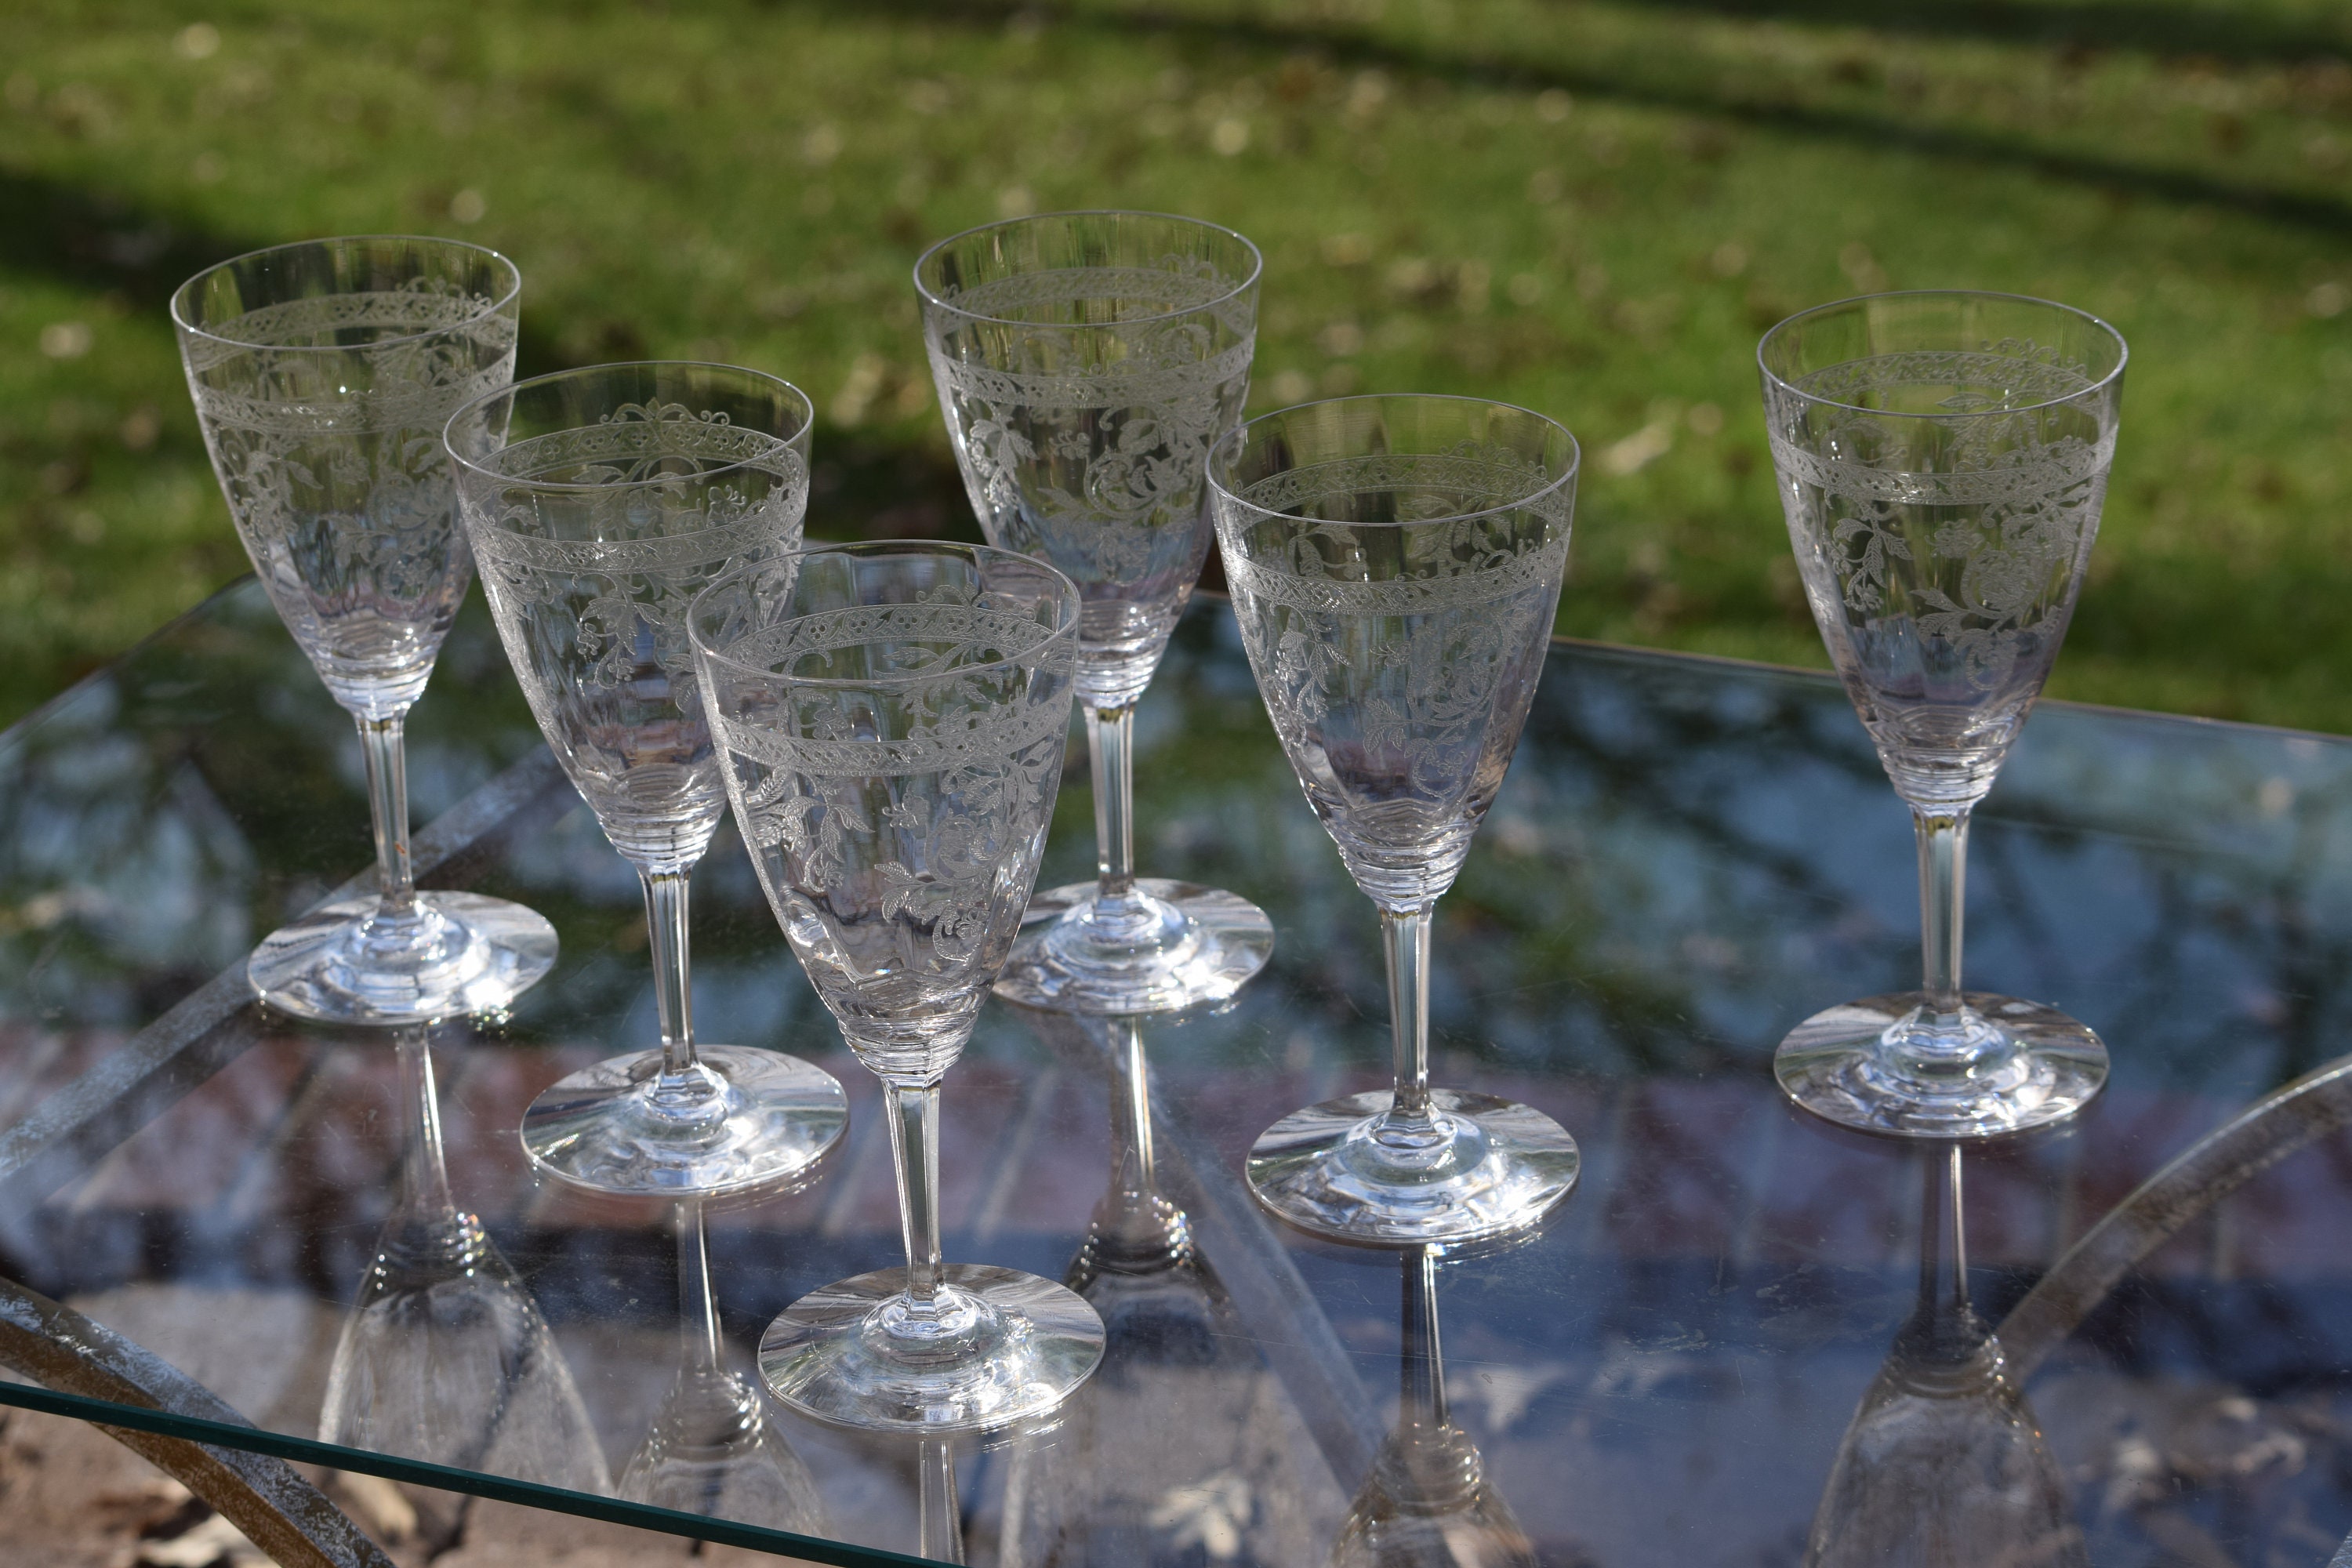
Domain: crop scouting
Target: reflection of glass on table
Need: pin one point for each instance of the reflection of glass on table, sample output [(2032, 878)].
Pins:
[(1685, 854), (444, 1355)]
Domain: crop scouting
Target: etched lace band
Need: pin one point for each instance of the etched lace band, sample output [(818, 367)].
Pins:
[(421, 384), (1116, 386), (1177, 285), (503, 546), (984, 737), (2027, 375), (639, 436), (1480, 479), (403, 405), (972, 729), (1401, 595), (2017, 477)]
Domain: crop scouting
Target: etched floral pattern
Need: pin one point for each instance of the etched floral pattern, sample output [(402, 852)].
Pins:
[(1397, 658), (592, 543), (1086, 443), (330, 457), (895, 824), (1976, 551)]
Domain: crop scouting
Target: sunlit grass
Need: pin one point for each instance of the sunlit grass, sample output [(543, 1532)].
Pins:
[(1591, 209)]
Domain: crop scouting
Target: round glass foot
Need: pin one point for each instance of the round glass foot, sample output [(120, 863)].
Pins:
[(742, 1119), (1169, 946), (1005, 1346), (454, 954), (1886, 1064), (1492, 1168)]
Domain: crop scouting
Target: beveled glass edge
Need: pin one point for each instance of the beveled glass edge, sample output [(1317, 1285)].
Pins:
[(420, 1472)]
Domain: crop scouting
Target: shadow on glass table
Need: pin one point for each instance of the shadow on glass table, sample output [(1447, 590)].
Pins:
[(1688, 857)]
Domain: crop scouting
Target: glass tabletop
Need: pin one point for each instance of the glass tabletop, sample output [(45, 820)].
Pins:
[(1688, 857)]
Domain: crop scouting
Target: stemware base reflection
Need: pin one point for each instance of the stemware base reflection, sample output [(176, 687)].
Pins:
[(715, 1450), (1014, 1346), (1879, 1065), (1498, 1166), (744, 1118), (349, 962), (1173, 946)]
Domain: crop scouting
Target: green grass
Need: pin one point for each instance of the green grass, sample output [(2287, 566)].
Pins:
[(1590, 208)]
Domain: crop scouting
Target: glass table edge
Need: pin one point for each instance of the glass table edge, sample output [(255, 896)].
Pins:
[(441, 1477)]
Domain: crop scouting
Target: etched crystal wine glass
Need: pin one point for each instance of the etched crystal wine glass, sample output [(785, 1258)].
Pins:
[(1086, 364), (600, 502), (1942, 458), (444, 1355), (890, 719), (1395, 563), (713, 1449), (322, 373)]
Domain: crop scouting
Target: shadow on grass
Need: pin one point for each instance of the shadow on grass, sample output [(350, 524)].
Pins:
[(2170, 32), (2325, 213), (867, 484)]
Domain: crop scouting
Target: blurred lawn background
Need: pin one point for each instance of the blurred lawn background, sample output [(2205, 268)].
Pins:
[(1589, 206)]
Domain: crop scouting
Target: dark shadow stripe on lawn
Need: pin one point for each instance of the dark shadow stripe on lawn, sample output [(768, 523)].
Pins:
[(96, 238), (869, 484), (2170, 32), (2326, 214)]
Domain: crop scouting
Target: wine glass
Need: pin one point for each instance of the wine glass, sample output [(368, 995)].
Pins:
[(1427, 1502), (1395, 563), (1943, 1462), (890, 720), (321, 373), (1942, 460), (712, 1450), (443, 1356), (600, 501), (1086, 364)]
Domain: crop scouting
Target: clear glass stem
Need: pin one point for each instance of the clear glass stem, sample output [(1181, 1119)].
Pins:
[(1405, 935), (914, 1113), (1110, 750), (380, 744), (1131, 1158), (698, 1309), (1944, 1246), (939, 1535), (1942, 1346), (1943, 834), (1420, 1389), (424, 1168), (666, 926)]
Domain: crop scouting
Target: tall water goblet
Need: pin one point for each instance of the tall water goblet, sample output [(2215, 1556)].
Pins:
[(1395, 563), (600, 502), (1086, 364), (322, 373), (1942, 459), (890, 719)]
